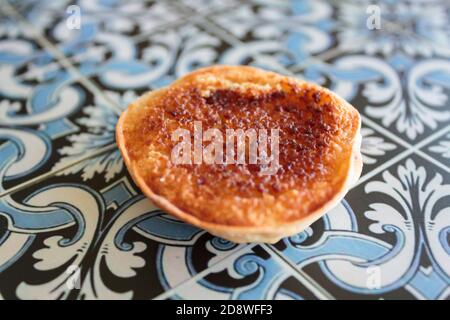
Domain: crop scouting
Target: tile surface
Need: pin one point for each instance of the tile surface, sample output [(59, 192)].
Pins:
[(251, 273), (74, 226)]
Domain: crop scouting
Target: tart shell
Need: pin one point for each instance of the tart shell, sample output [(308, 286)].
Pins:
[(245, 233)]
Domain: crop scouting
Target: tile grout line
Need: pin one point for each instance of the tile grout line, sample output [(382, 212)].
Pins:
[(186, 16), (223, 34), (369, 122), (51, 173), (201, 274), (383, 167), (329, 54), (305, 279), (432, 160), (411, 150), (431, 137), (302, 276), (214, 10), (219, 31)]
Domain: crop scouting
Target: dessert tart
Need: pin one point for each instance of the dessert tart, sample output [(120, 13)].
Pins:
[(314, 162)]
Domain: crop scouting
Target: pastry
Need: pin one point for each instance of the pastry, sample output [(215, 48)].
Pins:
[(242, 196)]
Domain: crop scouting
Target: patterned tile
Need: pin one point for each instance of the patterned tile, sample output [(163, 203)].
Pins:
[(84, 29), (94, 227), (157, 60), (127, 69), (288, 31), (396, 74), (386, 28), (251, 273), (408, 97), (40, 106), (386, 240), (121, 17)]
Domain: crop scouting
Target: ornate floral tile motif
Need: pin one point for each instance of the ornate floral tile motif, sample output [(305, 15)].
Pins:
[(165, 55), (412, 28), (99, 21), (289, 31), (250, 273), (68, 207), (406, 96), (121, 245), (41, 107), (158, 59), (87, 32), (387, 239)]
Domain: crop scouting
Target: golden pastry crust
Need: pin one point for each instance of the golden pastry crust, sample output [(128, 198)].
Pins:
[(319, 152)]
